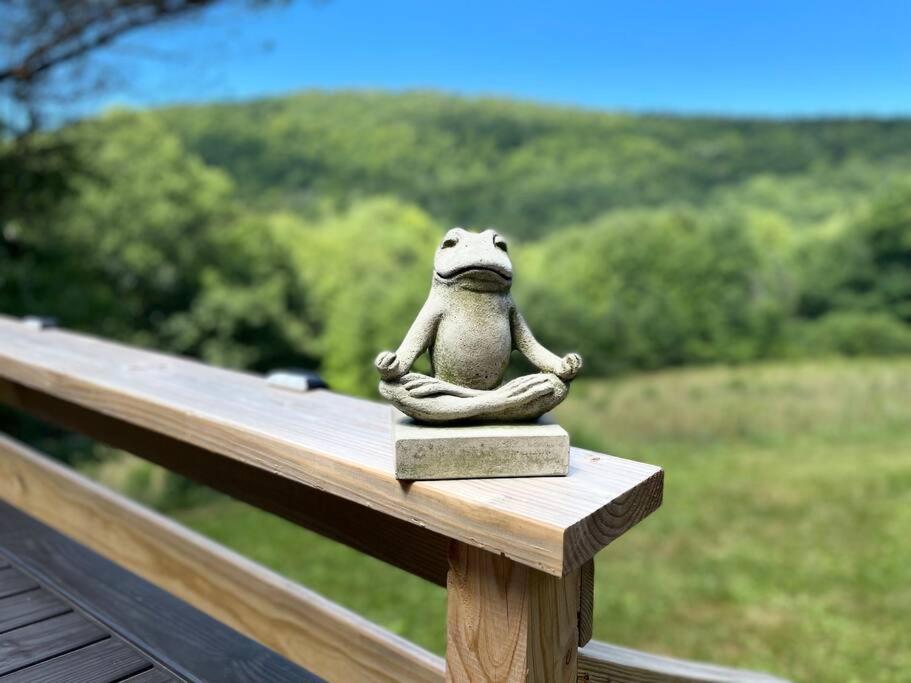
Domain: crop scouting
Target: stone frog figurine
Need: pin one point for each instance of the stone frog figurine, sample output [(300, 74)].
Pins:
[(470, 326)]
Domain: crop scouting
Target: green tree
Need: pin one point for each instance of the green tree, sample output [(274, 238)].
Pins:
[(368, 271), (646, 289), (126, 248), (251, 309), (866, 266), (887, 234)]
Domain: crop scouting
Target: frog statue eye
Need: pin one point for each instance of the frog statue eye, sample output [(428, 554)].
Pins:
[(449, 242), (500, 243)]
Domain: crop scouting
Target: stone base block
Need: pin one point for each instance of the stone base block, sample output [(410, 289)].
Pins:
[(477, 451)]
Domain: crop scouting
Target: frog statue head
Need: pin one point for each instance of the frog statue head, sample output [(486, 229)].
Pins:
[(473, 261)]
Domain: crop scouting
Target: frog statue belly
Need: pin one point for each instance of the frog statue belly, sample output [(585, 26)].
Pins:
[(470, 326), (460, 355)]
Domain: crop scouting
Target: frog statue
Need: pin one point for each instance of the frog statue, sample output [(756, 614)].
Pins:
[(470, 326)]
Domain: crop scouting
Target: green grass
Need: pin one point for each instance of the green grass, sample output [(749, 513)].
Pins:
[(759, 404), (784, 542)]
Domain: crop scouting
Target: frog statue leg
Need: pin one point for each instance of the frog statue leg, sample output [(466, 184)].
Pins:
[(431, 400)]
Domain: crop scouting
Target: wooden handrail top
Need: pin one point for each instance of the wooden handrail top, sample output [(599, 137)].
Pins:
[(337, 444)]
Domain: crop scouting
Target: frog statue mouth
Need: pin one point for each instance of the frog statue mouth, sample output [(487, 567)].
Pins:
[(483, 273)]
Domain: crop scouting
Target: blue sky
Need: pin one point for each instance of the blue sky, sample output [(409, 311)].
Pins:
[(694, 56)]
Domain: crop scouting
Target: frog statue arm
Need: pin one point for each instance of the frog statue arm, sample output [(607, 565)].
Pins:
[(565, 368), (392, 365)]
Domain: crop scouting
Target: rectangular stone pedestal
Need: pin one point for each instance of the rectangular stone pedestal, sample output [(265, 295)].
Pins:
[(476, 451)]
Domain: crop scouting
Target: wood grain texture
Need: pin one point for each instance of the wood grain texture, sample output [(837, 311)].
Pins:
[(108, 661), (13, 581), (23, 609), (299, 624), (184, 640), (553, 627), (586, 602), (405, 545), (604, 663), (152, 676), (337, 444), (65, 648), (507, 622), (48, 638)]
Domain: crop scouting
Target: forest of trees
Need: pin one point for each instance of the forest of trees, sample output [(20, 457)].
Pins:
[(300, 231)]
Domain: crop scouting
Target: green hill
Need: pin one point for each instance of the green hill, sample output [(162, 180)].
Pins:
[(529, 168)]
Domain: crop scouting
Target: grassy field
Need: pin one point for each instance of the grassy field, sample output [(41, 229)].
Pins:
[(784, 542)]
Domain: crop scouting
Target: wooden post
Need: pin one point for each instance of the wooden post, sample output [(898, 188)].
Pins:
[(507, 622)]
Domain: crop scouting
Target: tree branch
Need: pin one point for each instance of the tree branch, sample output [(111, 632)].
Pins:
[(58, 49)]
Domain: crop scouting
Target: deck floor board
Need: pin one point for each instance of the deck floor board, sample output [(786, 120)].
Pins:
[(107, 661), (46, 639), (27, 608), (37, 642), (12, 581), (72, 616), (152, 676)]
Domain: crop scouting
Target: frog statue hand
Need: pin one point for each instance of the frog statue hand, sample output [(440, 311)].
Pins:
[(470, 326)]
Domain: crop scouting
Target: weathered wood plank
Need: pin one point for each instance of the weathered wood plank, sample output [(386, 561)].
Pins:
[(105, 662), (13, 581), (337, 444), (553, 627), (605, 663), (23, 609), (405, 545), (586, 602), (297, 623), (48, 638), (183, 639), (507, 622), (152, 676)]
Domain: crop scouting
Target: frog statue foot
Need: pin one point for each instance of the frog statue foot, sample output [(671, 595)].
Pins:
[(470, 326)]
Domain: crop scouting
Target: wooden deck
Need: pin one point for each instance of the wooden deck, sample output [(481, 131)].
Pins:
[(44, 637), (515, 555), (68, 615)]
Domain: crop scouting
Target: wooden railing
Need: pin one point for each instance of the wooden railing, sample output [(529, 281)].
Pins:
[(516, 556)]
